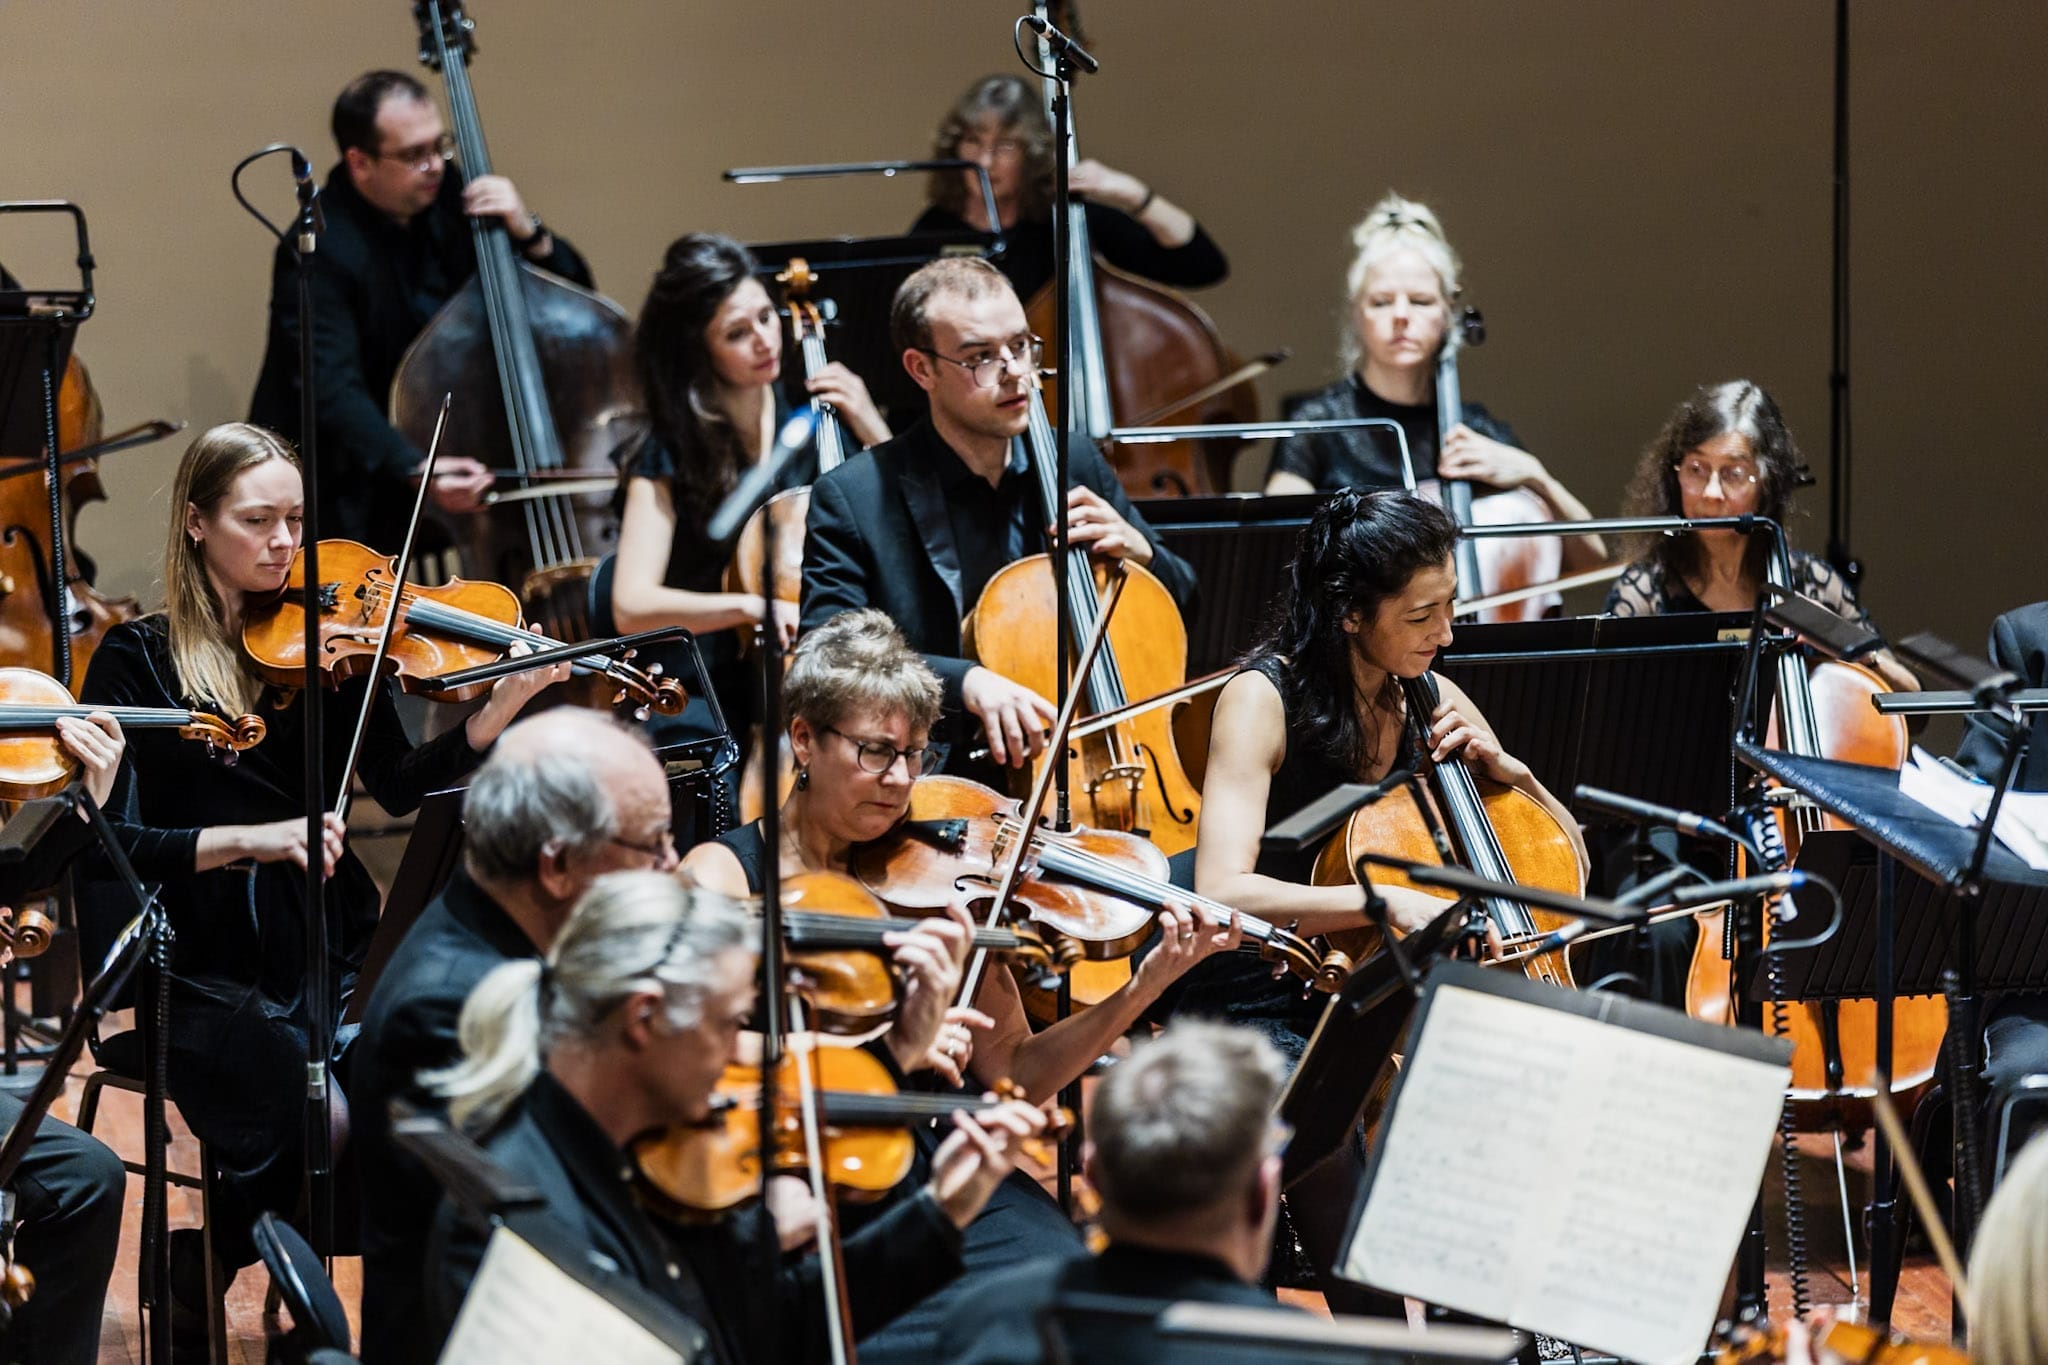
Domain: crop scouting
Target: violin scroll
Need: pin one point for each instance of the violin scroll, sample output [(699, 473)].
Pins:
[(225, 737), (646, 689), (27, 931)]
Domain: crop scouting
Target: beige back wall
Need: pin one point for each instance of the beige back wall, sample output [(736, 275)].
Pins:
[(1640, 192)]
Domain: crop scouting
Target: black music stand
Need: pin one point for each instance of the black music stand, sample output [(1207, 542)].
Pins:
[(1240, 545), (1919, 939)]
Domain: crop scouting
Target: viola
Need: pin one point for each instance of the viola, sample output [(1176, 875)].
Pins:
[(1091, 893), (1496, 831), (457, 625), (692, 1172), (834, 928), (1493, 568), (34, 762), (1828, 714), (543, 373)]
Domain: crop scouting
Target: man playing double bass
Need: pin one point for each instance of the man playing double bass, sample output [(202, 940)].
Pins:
[(917, 526), (395, 249)]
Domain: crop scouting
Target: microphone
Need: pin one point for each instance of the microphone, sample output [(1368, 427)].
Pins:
[(757, 483), (312, 220), (1060, 45), (1650, 813), (1769, 883)]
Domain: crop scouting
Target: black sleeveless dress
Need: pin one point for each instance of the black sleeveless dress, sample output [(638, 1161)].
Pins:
[(1238, 987)]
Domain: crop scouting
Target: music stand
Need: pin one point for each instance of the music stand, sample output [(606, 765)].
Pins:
[(1240, 546), (1977, 880)]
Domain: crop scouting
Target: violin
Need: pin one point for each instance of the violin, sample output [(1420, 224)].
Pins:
[(688, 1173), (34, 762), (1493, 568), (1826, 714), (1496, 831), (457, 625), (834, 928), (1091, 894), (543, 370)]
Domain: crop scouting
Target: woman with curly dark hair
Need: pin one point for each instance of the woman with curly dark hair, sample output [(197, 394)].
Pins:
[(1000, 124), (1725, 452), (708, 347)]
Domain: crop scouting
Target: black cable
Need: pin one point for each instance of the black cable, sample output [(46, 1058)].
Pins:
[(1970, 1179), (155, 1137), (235, 185), (1017, 41)]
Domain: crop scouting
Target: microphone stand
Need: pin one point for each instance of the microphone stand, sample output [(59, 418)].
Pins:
[(317, 988), (1062, 51)]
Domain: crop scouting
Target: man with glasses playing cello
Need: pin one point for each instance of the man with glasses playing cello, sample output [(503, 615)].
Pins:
[(396, 247), (918, 525)]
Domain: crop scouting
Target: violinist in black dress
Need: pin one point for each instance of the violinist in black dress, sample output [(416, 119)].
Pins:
[(227, 840)]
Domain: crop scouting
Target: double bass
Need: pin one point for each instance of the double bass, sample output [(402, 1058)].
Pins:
[(559, 358), (1141, 354)]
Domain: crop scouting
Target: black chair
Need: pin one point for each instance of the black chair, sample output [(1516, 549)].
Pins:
[(319, 1322)]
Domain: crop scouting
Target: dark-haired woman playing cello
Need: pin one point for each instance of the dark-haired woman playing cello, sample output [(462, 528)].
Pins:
[(1319, 703), (227, 842)]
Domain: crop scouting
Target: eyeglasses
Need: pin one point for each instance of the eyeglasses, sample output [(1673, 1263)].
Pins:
[(972, 144), (423, 156), (987, 371), (1694, 475), (877, 757), (661, 848)]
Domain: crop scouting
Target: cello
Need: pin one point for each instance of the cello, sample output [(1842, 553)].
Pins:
[(1492, 567), (1497, 832), (1141, 354), (27, 634), (1827, 714), (558, 356)]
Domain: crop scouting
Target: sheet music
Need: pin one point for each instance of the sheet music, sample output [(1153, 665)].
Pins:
[(1578, 1178), (522, 1307)]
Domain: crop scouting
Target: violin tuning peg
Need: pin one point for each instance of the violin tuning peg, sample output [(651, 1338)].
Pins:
[(640, 714)]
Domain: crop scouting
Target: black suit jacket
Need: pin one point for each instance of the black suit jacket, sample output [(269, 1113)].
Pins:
[(2019, 643), (714, 1274), (409, 1026), (1004, 1323), (374, 285), (879, 535)]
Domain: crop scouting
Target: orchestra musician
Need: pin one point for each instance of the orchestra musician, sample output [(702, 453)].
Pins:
[(396, 247), (861, 707), (227, 842), (1316, 705), (708, 348), (1724, 452), (1403, 279), (69, 1189), (1184, 1151), (918, 525), (625, 1029), (564, 797), (1000, 124)]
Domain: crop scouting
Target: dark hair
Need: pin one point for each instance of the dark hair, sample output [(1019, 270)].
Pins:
[(673, 356), (1357, 551), (355, 108), (910, 323), (1019, 112), (1740, 406)]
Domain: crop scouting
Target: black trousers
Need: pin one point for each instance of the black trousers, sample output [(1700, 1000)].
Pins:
[(69, 1191)]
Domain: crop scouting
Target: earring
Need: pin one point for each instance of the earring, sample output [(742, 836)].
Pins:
[(803, 779)]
